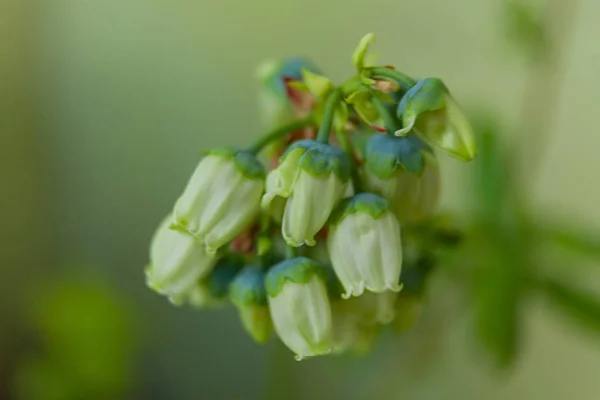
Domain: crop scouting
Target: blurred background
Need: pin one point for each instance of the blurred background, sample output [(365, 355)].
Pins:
[(105, 106)]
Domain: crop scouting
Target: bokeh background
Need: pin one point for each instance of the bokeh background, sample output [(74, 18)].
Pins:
[(105, 106)]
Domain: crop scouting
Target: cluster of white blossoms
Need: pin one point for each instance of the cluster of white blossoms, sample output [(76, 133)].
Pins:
[(303, 231)]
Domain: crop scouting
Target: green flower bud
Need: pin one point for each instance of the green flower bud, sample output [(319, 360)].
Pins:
[(212, 290), (429, 110), (222, 198), (365, 246), (177, 262), (405, 174), (300, 307), (275, 105), (249, 295), (311, 179)]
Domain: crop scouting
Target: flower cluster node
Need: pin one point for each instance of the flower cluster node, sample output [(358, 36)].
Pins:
[(324, 231)]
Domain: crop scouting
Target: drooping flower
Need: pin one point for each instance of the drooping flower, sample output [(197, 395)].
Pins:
[(428, 109), (312, 178), (249, 295), (300, 307), (365, 246), (177, 262), (404, 171), (222, 198)]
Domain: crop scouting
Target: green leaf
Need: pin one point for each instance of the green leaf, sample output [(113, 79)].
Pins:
[(573, 238), (525, 28), (492, 182), (574, 303), (498, 291), (358, 57)]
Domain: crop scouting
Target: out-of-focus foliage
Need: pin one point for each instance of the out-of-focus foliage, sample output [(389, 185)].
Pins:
[(525, 28), (500, 256), (82, 344)]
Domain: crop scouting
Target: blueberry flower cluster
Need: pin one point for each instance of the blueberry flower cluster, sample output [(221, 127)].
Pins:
[(325, 229)]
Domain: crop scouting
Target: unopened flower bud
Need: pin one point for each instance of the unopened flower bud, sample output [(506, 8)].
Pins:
[(222, 198), (177, 262), (212, 290), (313, 177), (365, 246), (300, 307), (429, 110), (405, 172), (249, 295)]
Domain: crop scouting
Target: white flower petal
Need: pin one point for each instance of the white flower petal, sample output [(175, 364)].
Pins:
[(301, 316), (192, 201), (366, 253), (309, 207), (241, 209), (177, 261)]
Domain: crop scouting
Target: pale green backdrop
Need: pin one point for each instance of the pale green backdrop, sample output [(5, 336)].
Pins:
[(106, 105)]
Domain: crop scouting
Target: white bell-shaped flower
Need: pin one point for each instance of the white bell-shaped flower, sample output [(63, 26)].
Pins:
[(299, 306), (177, 262), (404, 171), (311, 179), (222, 197), (365, 246)]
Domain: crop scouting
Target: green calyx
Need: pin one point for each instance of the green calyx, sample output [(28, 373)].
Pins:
[(222, 275), (244, 161), (321, 159), (248, 288), (428, 94), (365, 203), (384, 154), (297, 270)]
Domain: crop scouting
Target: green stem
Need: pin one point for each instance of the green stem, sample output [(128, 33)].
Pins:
[(279, 132), (405, 81), (290, 252), (330, 108), (389, 121), (349, 149)]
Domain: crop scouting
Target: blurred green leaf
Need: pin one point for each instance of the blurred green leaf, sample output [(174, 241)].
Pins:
[(525, 28), (574, 303), (498, 245), (85, 332), (573, 238), (497, 291), (491, 184)]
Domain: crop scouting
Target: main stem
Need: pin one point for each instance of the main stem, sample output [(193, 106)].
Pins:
[(333, 100), (279, 132), (345, 145)]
